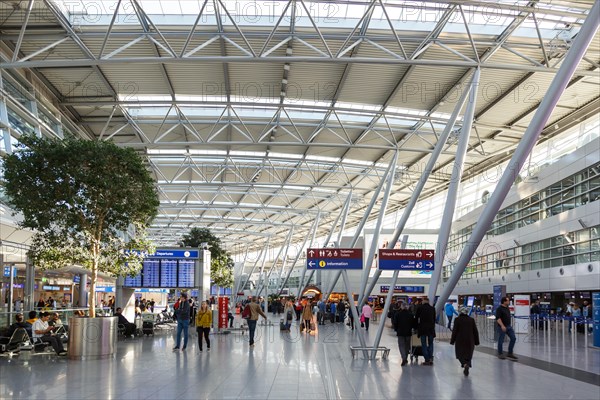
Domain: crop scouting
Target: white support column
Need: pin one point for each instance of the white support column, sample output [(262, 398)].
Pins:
[(453, 187), (528, 141)]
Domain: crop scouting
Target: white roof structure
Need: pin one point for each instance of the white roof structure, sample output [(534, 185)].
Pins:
[(257, 116)]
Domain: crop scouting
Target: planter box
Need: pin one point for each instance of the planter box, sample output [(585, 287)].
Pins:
[(92, 338)]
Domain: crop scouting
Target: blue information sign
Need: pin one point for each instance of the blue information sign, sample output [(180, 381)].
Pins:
[(334, 259), (596, 310), (161, 253), (7, 271), (406, 259)]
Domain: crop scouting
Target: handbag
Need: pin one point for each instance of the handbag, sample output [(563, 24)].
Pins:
[(362, 318), (246, 312)]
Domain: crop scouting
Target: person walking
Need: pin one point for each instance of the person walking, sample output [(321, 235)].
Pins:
[(465, 337), (288, 314), (183, 322), (403, 322), (425, 317), (203, 325), (367, 313), (505, 328), (307, 316), (255, 311), (450, 313)]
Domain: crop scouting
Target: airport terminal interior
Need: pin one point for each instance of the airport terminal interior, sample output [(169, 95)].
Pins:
[(343, 167)]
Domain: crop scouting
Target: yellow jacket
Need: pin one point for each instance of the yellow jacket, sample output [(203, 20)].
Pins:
[(204, 319)]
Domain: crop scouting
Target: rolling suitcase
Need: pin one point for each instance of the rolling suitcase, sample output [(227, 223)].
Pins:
[(416, 349), (148, 328)]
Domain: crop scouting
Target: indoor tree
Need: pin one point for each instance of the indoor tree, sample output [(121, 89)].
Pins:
[(221, 264), (79, 197)]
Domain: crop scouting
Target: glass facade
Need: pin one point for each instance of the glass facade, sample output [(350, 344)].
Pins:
[(566, 249), (571, 192)]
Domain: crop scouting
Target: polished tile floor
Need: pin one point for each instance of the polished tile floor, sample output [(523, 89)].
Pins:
[(295, 366)]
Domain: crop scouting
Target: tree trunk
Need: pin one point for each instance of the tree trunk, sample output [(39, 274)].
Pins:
[(94, 278)]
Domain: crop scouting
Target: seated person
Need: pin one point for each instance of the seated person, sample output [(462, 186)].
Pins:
[(54, 320), (147, 316), (43, 332), (20, 323), (32, 317), (129, 327)]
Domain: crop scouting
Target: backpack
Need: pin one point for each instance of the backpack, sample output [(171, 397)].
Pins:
[(289, 315), (246, 312)]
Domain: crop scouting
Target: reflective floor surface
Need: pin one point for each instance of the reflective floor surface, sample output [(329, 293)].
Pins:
[(300, 366)]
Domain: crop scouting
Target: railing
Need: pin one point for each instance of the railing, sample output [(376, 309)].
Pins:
[(7, 318)]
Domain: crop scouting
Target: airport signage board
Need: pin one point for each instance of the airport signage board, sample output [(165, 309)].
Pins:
[(331, 258), (406, 260)]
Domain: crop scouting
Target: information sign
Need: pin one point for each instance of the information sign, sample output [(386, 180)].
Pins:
[(406, 259), (223, 312), (330, 258)]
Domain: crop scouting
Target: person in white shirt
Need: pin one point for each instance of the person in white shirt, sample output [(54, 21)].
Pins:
[(42, 331)]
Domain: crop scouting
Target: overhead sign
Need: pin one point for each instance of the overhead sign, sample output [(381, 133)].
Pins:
[(330, 258), (160, 253), (402, 289), (406, 259)]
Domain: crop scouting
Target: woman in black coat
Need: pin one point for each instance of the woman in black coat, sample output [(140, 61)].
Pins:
[(465, 337)]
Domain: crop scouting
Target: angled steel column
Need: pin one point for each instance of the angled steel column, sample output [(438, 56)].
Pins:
[(312, 240), (377, 275), (354, 311), (361, 225), (453, 187), (376, 234), (284, 259), (340, 234), (238, 281), (286, 246), (386, 307), (262, 256), (346, 205), (530, 137), (314, 229), (428, 169)]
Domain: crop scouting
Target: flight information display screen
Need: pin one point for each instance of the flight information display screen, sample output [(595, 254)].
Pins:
[(135, 281), (151, 273), (168, 273), (165, 270), (185, 274)]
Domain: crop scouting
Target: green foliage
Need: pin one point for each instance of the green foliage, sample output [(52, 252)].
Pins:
[(78, 195), (221, 265)]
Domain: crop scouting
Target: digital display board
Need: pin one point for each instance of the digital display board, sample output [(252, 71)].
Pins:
[(151, 273), (168, 273), (133, 281), (163, 272), (185, 274)]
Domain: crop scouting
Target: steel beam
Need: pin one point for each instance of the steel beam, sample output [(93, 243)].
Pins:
[(454, 185), (539, 120)]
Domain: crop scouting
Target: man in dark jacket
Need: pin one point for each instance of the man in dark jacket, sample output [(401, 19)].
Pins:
[(183, 321), (465, 337), (403, 322), (425, 317)]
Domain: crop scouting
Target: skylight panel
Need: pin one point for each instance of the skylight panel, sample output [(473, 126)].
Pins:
[(285, 155), (248, 153), (322, 158)]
